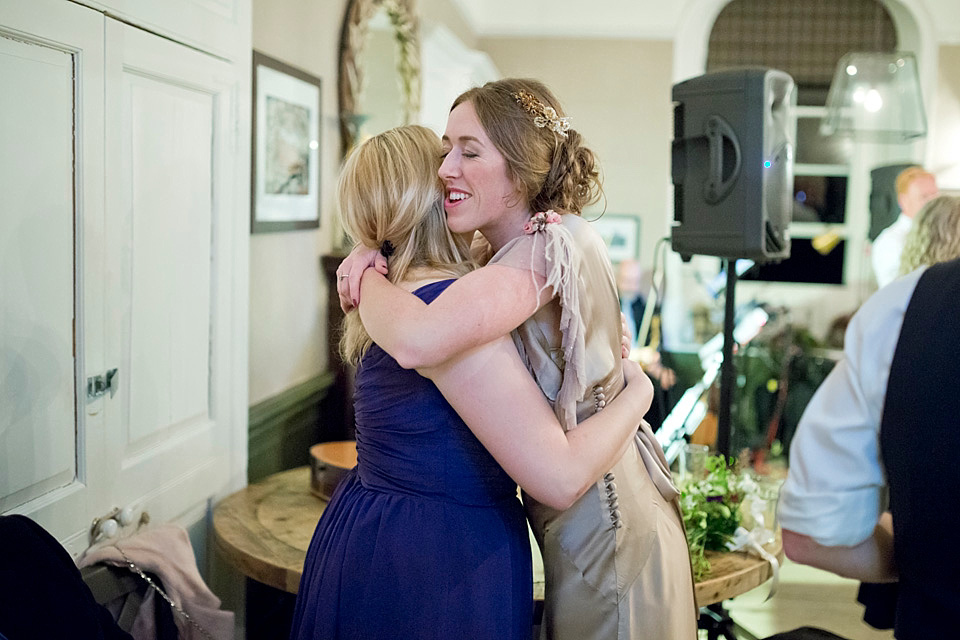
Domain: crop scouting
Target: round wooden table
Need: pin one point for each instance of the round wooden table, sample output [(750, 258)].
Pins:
[(734, 573), (264, 530)]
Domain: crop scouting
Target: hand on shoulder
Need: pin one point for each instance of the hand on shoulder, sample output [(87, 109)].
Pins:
[(351, 270)]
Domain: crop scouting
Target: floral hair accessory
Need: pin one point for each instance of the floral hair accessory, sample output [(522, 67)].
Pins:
[(543, 116), (539, 221), (386, 249)]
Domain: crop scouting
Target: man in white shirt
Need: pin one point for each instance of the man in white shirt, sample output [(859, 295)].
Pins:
[(915, 187), (886, 416)]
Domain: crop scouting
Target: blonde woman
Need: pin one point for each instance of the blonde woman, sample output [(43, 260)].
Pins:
[(516, 170), (934, 236), (426, 538)]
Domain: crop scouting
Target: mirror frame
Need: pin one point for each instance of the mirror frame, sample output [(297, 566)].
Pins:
[(353, 36)]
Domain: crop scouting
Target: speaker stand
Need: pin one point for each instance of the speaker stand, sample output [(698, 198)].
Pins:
[(728, 372)]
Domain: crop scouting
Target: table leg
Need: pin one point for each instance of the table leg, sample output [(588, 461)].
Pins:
[(718, 624)]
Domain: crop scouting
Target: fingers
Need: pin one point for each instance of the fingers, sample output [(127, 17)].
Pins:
[(346, 304), (626, 338), (638, 383), (668, 378), (633, 374), (353, 282), (380, 263), (343, 293), (630, 370), (350, 272)]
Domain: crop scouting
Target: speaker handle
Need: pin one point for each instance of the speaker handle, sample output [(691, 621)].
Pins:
[(716, 188)]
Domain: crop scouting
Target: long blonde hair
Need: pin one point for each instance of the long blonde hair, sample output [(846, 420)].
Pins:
[(934, 236), (389, 191)]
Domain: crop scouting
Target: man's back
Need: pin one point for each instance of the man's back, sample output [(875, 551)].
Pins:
[(919, 442)]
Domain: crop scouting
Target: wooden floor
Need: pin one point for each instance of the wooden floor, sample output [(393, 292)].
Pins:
[(805, 597)]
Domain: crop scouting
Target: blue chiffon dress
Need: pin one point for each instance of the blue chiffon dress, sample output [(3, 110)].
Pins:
[(425, 538)]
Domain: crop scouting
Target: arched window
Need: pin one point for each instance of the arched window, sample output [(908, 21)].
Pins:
[(805, 38)]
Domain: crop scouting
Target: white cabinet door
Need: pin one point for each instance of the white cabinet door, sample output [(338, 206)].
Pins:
[(209, 25), (170, 183), (51, 205)]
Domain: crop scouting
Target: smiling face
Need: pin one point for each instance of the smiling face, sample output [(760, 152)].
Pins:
[(479, 193)]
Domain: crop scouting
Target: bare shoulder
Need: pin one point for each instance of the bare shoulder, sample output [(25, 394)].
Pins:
[(585, 235)]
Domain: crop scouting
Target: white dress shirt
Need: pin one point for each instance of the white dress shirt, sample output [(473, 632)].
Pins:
[(887, 248), (836, 478)]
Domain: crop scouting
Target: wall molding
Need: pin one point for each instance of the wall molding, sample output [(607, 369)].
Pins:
[(282, 428)]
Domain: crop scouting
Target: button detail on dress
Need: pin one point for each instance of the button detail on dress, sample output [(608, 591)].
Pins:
[(613, 502), (599, 399)]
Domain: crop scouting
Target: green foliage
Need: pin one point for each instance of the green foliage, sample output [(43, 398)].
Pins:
[(782, 353), (711, 511), (404, 24)]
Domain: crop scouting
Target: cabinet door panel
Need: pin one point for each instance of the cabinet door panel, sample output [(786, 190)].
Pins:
[(51, 114), (169, 109), (169, 280), (36, 271)]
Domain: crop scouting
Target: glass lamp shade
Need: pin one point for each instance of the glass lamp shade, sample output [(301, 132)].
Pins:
[(875, 97)]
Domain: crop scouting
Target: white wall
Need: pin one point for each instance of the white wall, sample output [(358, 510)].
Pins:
[(287, 292)]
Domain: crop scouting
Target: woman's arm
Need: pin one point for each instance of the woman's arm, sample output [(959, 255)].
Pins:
[(483, 305), (498, 399)]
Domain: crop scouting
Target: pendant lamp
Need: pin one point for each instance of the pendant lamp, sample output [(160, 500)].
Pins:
[(875, 97)]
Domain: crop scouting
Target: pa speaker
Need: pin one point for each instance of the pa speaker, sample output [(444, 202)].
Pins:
[(733, 144)]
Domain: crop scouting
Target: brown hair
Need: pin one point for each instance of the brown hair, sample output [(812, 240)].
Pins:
[(934, 236), (551, 172), (389, 191)]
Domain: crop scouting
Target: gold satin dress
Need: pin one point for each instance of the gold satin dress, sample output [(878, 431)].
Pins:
[(616, 563)]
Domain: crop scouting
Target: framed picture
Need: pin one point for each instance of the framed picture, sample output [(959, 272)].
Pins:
[(621, 234), (285, 178)]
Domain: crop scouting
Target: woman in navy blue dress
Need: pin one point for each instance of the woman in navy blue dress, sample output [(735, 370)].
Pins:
[(426, 537)]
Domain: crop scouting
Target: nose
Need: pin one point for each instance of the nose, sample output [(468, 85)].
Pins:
[(450, 167)]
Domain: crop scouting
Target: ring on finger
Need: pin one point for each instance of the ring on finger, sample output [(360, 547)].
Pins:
[(342, 276)]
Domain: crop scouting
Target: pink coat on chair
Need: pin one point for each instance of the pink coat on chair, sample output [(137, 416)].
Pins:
[(165, 551)]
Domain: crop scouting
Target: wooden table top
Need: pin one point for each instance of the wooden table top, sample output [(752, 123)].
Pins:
[(265, 529), (734, 573)]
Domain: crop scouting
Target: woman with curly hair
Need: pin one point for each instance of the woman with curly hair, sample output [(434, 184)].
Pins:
[(934, 236)]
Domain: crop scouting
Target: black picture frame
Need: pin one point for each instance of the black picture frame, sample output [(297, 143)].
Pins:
[(286, 135)]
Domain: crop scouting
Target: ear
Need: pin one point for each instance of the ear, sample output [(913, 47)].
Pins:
[(516, 197)]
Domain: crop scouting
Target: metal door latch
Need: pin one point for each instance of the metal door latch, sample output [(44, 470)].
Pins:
[(99, 385)]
